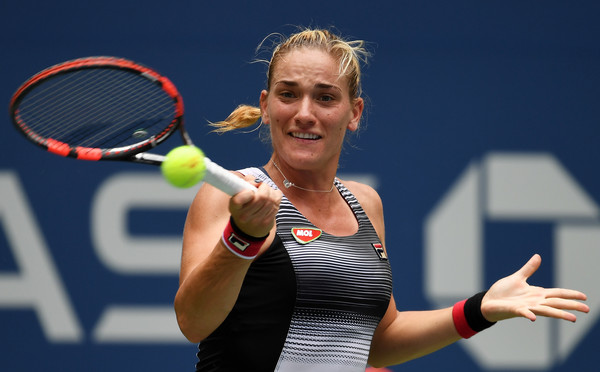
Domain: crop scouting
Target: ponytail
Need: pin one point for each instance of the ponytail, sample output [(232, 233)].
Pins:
[(242, 117)]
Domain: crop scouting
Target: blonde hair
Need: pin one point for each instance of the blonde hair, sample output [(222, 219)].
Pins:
[(350, 55)]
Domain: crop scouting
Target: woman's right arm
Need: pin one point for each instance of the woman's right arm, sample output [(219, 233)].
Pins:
[(211, 276)]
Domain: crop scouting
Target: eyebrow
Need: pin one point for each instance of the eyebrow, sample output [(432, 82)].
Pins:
[(319, 85)]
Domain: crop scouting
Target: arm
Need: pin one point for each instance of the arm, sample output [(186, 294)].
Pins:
[(402, 336), (211, 276), (406, 335)]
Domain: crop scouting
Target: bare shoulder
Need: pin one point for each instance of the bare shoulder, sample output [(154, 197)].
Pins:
[(366, 195), (370, 201)]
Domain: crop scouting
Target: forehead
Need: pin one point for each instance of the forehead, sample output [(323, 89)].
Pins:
[(307, 64)]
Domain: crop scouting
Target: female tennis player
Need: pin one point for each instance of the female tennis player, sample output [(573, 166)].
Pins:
[(295, 276)]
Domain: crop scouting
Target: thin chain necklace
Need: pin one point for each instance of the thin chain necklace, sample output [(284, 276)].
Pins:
[(287, 183)]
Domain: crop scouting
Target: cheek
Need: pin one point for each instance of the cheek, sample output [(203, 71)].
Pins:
[(340, 120), (280, 115)]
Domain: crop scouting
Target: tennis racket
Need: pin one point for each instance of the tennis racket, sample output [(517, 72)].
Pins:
[(106, 108)]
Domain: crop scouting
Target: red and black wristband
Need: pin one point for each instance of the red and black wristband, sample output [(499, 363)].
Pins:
[(468, 318), (241, 244)]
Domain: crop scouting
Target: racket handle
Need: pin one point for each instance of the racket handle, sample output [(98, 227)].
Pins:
[(224, 180)]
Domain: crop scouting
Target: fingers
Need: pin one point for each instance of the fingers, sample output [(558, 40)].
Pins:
[(557, 303), (552, 312), (248, 205), (527, 313), (565, 293), (562, 304), (246, 196), (254, 212)]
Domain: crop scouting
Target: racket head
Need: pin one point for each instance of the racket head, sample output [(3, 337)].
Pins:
[(98, 108)]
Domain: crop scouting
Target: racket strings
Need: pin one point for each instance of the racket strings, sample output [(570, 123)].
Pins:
[(60, 115), (89, 110), (143, 105), (52, 108), (128, 110), (98, 108), (42, 108)]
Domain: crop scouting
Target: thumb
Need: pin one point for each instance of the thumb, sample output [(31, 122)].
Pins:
[(531, 266), (241, 198)]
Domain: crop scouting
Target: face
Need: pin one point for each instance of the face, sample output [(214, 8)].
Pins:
[(309, 109)]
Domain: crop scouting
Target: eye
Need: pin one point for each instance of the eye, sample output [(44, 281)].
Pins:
[(326, 98), (286, 94)]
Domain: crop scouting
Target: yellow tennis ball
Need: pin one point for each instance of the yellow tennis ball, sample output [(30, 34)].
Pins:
[(184, 166)]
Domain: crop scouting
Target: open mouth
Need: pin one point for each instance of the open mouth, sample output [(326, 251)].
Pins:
[(305, 136)]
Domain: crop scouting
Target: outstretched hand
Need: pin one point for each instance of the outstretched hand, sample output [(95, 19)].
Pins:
[(513, 297)]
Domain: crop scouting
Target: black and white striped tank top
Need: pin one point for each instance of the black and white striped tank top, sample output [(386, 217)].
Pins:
[(310, 303)]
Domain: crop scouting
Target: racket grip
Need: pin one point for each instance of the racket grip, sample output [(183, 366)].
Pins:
[(224, 180)]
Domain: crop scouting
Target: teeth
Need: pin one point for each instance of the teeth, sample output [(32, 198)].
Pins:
[(305, 135)]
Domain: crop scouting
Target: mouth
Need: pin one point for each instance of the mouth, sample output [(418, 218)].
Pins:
[(305, 136)]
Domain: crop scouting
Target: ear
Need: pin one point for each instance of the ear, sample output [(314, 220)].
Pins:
[(357, 111), (263, 107)]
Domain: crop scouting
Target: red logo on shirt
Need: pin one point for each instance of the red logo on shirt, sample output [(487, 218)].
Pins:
[(305, 235)]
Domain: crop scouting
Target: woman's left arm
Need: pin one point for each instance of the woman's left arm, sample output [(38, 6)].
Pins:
[(406, 335)]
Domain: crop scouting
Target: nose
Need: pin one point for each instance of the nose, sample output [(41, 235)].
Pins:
[(305, 114)]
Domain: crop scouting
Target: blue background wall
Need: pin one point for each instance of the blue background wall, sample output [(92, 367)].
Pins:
[(450, 82)]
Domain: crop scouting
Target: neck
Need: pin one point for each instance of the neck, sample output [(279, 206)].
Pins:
[(287, 183)]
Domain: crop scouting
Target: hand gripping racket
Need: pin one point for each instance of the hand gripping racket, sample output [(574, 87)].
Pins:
[(106, 108)]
